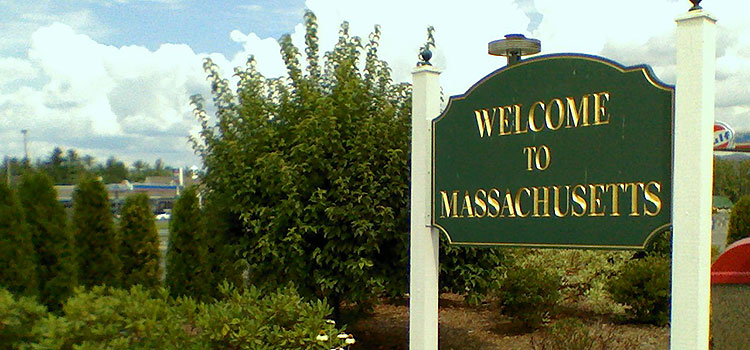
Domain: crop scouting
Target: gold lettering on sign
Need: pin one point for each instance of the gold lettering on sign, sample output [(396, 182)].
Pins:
[(534, 202), (484, 121), (552, 115), (601, 116), (450, 206)]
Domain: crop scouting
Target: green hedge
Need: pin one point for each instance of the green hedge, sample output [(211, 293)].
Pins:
[(643, 286), (138, 318), (18, 315)]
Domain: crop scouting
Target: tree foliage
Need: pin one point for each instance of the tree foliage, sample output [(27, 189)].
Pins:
[(224, 233), (139, 252), (739, 220), (731, 177), (53, 240), (97, 242), (17, 258), (316, 167), (187, 268)]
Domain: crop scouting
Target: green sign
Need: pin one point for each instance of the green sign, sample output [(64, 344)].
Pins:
[(556, 151)]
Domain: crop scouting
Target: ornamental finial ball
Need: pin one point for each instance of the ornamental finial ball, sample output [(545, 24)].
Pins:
[(695, 5)]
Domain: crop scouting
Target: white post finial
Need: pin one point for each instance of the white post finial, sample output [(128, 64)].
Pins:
[(424, 242), (693, 164)]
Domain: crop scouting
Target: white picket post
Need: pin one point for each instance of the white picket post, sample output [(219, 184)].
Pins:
[(423, 249), (693, 166)]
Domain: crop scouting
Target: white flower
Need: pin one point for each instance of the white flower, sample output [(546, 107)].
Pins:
[(322, 336), (342, 335), (331, 322), (350, 340)]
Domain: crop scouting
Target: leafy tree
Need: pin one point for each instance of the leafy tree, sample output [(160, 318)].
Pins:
[(139, 252), (187, 268), (96, 240), (53, 241), (316, 166), (725, 178), (739, 220), (113, 171), (17, 258)]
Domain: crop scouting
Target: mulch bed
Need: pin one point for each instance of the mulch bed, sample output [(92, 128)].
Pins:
[(483, 327)]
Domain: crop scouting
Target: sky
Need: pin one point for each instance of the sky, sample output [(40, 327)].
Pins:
[(113, 77)]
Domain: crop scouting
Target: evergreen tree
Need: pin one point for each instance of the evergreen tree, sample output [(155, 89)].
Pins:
[(187, 267), (53, 241), (96, 240), (739, 220), (224, 235), (17, 258), (139, 252)]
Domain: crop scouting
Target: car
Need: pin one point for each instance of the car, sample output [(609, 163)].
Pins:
[(163, 216)]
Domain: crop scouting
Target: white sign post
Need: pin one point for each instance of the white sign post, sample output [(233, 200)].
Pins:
[(693, 166), (423, 247)]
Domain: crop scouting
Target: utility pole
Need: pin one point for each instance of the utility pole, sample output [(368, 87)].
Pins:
[(25, 144), (7, 169)]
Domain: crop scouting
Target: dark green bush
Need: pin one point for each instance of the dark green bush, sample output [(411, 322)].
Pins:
[(224, 233), (17, 258), (187, 263), (141, 319), (469, 271), (643, 287), (139, 252), (110, 318), (660, 245), (53, 241), (739, 220), (97, 243), (529, 295), (18, 316)]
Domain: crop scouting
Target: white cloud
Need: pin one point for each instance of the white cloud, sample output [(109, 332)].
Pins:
[(13, 69), (253, 8), (97, 93)]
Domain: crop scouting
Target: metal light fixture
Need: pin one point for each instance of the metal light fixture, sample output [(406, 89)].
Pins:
[(514, 46)]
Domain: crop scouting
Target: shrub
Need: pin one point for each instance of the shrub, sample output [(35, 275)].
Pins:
[(739, 220), (187, 267), (17, 258), (469, 271), (53, 241), (97, 243), (529, 295), (252, 319), (660, 245), (18, 316), (643, 286), (110, 318), (573, 334), (139, 319), (139, 252), (584, 273)]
